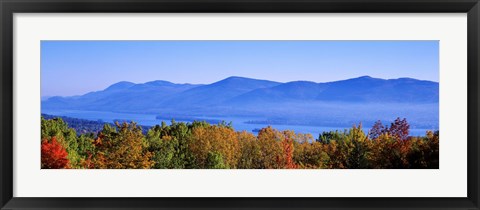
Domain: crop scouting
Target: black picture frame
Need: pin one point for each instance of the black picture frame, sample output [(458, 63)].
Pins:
[(9, 7)]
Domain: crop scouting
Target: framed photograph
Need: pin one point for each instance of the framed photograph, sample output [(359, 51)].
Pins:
[(239, 104)]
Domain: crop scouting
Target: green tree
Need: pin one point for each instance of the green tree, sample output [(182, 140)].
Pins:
[(66, 136), (359, 149), (215, 161), (164, 147)]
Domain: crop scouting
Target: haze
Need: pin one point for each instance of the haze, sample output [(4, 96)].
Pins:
[(77, 67)]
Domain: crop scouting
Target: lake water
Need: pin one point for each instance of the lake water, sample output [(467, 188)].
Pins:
[(237, 122)]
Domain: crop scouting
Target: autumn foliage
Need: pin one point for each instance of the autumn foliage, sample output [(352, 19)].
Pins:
[(121, 148), (54, 155), (200, 145)]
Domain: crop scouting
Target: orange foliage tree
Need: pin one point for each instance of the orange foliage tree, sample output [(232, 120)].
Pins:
[(287, 146), (271, 150), (121, 148), (250, 153), (217, 140)]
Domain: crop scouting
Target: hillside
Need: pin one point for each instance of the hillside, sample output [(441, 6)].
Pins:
[(297, 102)]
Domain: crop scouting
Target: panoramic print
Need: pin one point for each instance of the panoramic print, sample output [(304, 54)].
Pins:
[(239, 105)]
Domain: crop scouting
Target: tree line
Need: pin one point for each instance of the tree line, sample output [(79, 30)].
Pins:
[(200, 145)]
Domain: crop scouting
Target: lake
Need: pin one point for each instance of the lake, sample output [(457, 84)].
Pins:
[(237, 122)]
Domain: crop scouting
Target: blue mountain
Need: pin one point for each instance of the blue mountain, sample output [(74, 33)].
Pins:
[(373, 90), (120, 86), (234, 95), (357, 90), (217, 93), (296, 91), (121, 96)]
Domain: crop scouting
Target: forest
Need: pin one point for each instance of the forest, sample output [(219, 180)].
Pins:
[(201, 145)]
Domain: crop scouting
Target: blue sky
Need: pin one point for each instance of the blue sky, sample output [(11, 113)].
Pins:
[(77, 67)]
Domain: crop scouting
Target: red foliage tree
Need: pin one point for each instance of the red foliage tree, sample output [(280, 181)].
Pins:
[(54, 155)]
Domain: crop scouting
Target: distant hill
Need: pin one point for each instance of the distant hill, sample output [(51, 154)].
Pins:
[(299, 90), (357, 90), (372, 90), (217, 93), (297, 102), (121, 96)]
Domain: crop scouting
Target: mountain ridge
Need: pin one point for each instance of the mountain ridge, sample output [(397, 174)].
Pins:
[(243, 91)]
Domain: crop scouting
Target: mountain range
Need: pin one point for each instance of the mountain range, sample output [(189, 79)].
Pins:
[(240, 96)]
